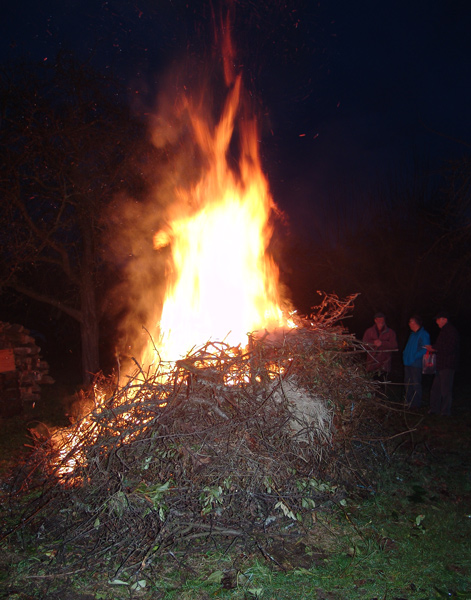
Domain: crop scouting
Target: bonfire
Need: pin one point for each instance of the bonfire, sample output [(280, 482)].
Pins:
[(236, 419), (229, 444)]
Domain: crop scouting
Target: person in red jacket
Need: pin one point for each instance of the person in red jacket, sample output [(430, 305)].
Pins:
[(380, 341), (447, 348)]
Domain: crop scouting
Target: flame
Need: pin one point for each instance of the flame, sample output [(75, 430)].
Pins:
[(223, 284)]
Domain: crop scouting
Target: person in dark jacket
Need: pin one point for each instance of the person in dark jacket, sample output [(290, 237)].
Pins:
[(412, 358), (447, 350), (380, 341)]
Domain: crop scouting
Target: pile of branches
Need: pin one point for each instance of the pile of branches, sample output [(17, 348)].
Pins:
[(227, 444)]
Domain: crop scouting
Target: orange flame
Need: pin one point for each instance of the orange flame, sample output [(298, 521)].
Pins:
[(223, 284)]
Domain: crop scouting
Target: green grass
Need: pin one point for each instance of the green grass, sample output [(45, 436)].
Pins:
[(405, 543)]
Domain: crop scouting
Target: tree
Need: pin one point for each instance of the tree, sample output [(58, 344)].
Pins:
[(68, 146)]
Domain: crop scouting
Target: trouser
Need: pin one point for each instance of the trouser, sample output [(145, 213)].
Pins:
[(441, 394), (413, 380)]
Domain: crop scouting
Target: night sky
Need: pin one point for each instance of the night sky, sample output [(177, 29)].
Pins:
[(349, 96), (348, 93)]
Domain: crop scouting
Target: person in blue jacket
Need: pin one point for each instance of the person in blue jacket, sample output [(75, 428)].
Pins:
[(412, 358)]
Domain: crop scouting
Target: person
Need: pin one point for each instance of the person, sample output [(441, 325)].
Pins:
[(412, 357), (447, 350), (380, 341)]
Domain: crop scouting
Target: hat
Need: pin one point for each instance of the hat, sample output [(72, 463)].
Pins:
[(379, 315), (442, 314)]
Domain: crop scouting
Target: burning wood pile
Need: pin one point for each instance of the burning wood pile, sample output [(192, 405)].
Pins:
[(226, 443)]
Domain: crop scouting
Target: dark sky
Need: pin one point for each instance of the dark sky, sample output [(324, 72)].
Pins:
[(348, 92), (349, 95)]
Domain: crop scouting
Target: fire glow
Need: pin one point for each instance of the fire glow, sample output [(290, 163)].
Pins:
[(223, 284)]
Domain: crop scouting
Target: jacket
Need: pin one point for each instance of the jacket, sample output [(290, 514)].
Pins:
[(381, 359), (414, 350), (447, 347)]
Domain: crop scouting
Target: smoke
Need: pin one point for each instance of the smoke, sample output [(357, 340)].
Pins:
[(168, 162)]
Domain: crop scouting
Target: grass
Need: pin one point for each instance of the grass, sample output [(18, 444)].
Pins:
[(410, 539)]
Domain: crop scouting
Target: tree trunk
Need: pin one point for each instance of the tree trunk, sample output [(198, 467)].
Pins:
[(89, 329)]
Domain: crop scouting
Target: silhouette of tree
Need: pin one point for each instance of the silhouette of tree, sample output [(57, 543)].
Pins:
[(68, 146)]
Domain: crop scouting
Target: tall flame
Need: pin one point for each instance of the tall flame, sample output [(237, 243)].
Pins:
[(223, 284)]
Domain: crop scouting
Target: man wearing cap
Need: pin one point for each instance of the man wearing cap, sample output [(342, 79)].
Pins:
[(447, 349), (380, 341)]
